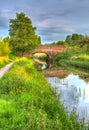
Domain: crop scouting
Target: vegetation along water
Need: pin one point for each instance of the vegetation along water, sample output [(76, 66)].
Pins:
[(27, 102)]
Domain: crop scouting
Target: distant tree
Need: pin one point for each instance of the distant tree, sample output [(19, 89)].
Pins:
[(75, 36), (22, 34), (69, 40), (74, 39), (62, 43), (85, 43)]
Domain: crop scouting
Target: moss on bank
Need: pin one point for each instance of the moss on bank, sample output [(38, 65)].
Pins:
[(28, 103)]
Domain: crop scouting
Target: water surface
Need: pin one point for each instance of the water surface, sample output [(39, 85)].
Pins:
[(74, 94), (73, 90)]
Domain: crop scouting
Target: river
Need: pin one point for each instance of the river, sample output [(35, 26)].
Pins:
[(73, 90), (74, 94)]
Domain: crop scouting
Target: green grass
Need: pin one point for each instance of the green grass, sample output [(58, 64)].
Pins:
[(77, 59), (28, 103)]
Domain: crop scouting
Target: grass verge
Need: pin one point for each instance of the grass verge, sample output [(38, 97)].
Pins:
[(28, 103)]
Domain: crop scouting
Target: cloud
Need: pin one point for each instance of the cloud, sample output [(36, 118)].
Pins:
[(4, 15), (53, 18), (49, 15), (51, 24), (53, 30)]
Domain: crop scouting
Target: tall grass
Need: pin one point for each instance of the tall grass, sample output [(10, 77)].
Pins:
[(28, 103), (75, 59)]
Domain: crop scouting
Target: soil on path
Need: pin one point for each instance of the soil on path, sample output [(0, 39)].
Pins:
[(5, 69)]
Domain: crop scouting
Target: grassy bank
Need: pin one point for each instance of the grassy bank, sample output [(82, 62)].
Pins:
[(77, 59), (28, 103)]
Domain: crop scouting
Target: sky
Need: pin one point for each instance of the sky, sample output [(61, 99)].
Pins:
[(54, 19)]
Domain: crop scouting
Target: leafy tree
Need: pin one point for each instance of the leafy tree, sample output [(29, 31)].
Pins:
[(4, 47), (75, 36), (74, 39), (69, 40), (22, 34), (85, 43), (6, 39)]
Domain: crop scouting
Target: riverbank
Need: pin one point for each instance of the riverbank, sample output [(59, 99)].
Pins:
[(28, 103), (75, 59)]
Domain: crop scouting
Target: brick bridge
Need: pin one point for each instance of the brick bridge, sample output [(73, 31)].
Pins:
[(50, 50)]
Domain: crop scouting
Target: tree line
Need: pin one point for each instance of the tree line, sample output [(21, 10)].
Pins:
[(76, 41)]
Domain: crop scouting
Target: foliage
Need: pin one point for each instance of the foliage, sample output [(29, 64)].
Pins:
[(78, 41), (78, 59), (4, 51), (3, 61), (74, 39), (85, 43), (22, 34), (4, 47), (62, 43), (30, 105)]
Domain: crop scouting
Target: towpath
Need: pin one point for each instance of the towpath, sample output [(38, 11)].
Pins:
[(5, 69)]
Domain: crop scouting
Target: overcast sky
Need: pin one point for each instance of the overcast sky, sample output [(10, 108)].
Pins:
[(54, 19)]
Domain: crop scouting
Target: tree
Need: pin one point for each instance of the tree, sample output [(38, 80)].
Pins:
[(22, 34), (62, 43), (69, 40), (74, 39), (85, 43), (4, 47)]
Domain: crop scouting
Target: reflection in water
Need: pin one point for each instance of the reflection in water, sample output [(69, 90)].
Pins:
[(44, 67), (74, 93)]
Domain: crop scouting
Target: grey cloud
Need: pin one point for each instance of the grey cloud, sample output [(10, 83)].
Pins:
[(52, 33), (50, 15), (52, 30), (5, 15), (3, 19)]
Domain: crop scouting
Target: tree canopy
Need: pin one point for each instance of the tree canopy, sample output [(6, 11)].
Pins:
[(22, 34), (74, 39), (4, 46)]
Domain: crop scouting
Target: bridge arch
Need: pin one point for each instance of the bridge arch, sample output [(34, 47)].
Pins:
[(50, 50), (48, 60)]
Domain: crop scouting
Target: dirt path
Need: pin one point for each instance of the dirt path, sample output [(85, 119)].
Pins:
[(5, 69)]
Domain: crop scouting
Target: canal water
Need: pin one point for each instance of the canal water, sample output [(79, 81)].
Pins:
[(72, 89), (74, 94)]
